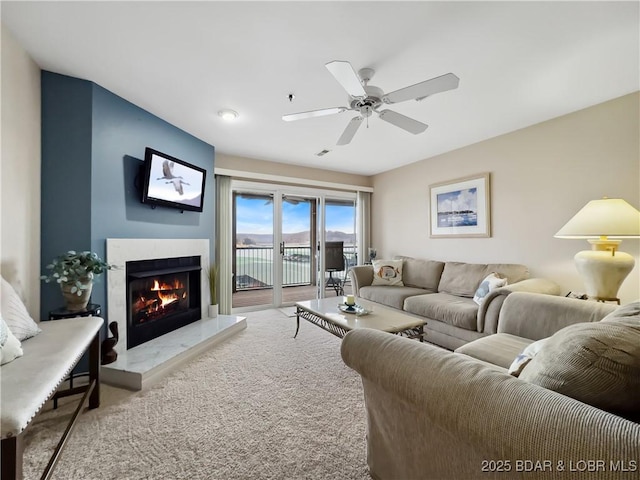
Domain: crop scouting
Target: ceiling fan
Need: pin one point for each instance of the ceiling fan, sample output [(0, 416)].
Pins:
[(367, 99)]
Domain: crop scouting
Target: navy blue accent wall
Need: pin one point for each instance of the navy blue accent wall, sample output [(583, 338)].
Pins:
[(106, 162), (66, 174)]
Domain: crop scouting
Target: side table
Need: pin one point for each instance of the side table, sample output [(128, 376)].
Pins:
[(93, 309), (605, 300)]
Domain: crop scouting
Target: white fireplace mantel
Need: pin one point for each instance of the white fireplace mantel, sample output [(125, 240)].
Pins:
[(123, 250)]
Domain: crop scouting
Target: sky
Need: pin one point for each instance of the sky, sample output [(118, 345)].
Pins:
[(163, 188), (459, 200), (256, 216)]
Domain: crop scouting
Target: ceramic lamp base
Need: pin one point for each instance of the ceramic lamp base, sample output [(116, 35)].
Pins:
[(603, 272)]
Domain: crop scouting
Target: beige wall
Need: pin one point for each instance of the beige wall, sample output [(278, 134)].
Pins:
[(286, 170), (541, 176), (20, 172)]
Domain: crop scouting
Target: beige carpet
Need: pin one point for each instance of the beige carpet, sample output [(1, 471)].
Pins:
[(262, 405)]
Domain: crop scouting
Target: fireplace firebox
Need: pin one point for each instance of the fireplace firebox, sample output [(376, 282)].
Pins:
[(162, 295)]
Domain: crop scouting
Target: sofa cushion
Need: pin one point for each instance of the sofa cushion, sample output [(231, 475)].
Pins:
[(595, 363), (513, 272), (627, 314), (458, 311), (392, 296), (421, 273), (499, 349), (463, 279), (387, 272)]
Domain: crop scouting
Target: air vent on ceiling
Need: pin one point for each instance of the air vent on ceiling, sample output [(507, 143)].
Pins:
[(322, 152)]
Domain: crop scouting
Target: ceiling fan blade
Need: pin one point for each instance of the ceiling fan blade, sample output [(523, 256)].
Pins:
[(350, 131), (313, 113), (406, 123), (347, 77), (423, 89)]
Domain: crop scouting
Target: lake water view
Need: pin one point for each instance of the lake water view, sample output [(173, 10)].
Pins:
[(456, 219)]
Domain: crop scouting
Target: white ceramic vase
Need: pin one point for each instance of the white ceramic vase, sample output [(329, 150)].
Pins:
[(213, 311)]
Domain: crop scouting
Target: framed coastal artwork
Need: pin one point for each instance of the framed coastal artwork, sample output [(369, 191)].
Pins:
[(461, 207)]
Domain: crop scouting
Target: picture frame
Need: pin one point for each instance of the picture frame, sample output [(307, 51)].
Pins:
[(460, 207)]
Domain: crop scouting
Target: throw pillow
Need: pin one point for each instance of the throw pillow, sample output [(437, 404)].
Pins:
[(4, 331), (10, 347), (627, 314), (525, 357), (490, 282), (15, 313), (387, 272), (596, 363)]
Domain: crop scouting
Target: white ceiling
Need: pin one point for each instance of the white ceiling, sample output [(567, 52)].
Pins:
[(519, 63)]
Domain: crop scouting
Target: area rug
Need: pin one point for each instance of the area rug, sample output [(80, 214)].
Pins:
[(262, 405)]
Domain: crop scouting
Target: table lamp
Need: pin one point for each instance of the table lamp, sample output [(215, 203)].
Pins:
[(602, 222)]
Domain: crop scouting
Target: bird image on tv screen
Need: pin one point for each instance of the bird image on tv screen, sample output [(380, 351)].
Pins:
[(174, 182)]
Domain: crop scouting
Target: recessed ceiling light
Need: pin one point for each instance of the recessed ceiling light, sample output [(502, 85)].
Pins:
[(228, 115)]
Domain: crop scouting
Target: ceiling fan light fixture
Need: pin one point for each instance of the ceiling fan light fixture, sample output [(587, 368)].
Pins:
[(366, 99), (228, 115)]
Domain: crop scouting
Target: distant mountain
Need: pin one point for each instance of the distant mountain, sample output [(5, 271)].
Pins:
[(347, 238), (298, 238)]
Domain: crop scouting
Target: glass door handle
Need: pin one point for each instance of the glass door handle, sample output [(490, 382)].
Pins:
[(281, 248)]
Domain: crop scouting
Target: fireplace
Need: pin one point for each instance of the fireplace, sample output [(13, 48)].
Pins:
[(163, 295), (136, 368)]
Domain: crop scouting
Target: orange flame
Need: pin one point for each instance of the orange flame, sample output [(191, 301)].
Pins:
[(166, 299), (157, 286), (166, 292)]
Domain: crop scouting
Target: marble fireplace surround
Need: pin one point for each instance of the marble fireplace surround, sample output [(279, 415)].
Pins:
[(138, 367), (123, 250)]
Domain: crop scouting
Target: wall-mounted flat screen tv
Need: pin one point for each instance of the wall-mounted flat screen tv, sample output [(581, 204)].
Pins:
[(172, 182)]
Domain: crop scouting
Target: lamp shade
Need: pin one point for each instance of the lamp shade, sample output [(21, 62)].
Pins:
[(610, 217)]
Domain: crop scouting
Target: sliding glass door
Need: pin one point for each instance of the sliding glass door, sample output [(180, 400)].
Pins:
[(253, 241), (340, 248), (298, 260), (280, 240)]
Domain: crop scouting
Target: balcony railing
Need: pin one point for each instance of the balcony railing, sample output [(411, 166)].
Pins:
[(254, 266)]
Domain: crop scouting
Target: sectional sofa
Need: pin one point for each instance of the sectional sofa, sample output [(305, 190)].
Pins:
[(443, 294), (572, 412)]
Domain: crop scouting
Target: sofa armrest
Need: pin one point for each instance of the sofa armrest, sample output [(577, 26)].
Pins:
[(361, 276), (434, 414), (535, 316), (489, 311)]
